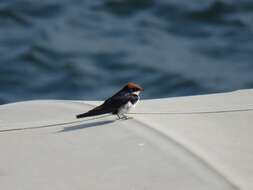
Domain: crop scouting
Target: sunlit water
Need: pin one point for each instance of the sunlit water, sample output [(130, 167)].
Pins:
[(80, 49)]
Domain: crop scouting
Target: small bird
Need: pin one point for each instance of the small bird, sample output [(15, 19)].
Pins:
[(119, 104)]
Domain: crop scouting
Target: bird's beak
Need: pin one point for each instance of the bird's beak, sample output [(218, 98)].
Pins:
[(141, 89)]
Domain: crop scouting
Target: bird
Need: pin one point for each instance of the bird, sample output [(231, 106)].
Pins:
[(119, 104)]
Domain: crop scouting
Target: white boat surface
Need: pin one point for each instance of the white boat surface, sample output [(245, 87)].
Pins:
[(200, 142)]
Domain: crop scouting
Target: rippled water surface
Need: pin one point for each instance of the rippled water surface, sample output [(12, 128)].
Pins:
[(87, 49)]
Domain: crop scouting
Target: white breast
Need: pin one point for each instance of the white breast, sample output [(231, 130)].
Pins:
[(126, 108)]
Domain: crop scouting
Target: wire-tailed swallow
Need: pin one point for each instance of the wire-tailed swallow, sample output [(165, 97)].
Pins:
[(119, 104)]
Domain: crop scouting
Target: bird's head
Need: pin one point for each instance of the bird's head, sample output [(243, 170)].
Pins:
[(133, 88)]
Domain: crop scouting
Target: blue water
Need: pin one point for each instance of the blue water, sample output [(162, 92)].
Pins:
[(88, 49)]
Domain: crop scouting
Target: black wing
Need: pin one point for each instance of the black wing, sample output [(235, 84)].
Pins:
[(118, 100)]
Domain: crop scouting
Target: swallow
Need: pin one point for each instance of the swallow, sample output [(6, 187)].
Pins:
[(119, 104)]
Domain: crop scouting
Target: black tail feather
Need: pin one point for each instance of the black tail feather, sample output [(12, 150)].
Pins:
[(96, 111), (83, 115)]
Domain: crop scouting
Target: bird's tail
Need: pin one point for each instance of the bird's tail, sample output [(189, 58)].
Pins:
[(87, 114), (96, 111)]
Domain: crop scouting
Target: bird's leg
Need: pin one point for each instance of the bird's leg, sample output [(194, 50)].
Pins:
[(118, 116), (122, 116)]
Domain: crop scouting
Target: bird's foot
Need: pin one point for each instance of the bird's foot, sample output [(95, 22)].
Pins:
[(123, 117)]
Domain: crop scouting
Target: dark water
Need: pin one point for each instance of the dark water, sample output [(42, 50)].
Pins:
[(87, 49)]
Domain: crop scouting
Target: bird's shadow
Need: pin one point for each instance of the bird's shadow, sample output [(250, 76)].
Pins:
[(86, 125)]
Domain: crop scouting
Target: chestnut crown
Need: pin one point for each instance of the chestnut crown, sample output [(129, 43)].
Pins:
[(133, 87)]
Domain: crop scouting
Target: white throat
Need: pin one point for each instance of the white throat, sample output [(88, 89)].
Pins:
[(136, 93)]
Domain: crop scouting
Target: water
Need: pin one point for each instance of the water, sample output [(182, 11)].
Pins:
[(88, 49)]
